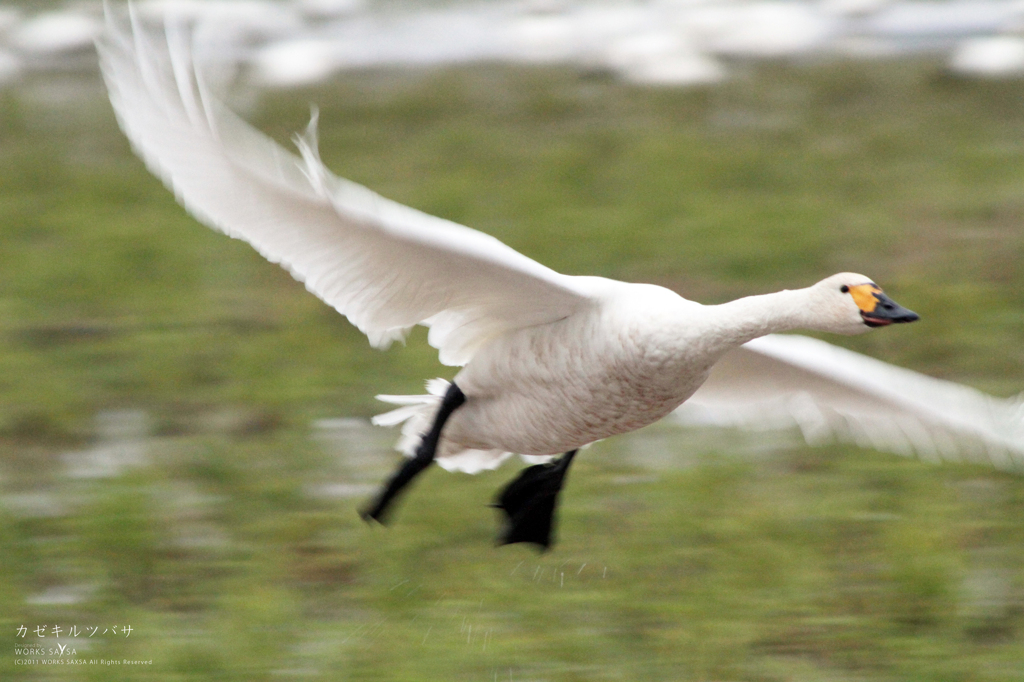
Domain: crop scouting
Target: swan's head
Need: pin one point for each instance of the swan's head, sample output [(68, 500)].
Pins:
[(853, 304)]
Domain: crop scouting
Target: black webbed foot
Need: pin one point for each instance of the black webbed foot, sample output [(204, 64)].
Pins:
[(529, 502)]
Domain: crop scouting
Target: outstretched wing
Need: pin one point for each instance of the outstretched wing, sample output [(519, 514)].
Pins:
[(383, 265), (829, 392)]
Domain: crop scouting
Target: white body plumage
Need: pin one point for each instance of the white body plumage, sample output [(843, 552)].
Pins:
[(625, 360)]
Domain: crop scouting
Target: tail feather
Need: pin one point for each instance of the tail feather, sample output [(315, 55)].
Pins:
[(396, 417), (416, 415)]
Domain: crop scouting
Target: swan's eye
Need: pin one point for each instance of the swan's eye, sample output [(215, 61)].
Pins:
[(845, 289)]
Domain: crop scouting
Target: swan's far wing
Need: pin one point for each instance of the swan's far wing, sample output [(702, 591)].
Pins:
[(829, 392), (384, 266)]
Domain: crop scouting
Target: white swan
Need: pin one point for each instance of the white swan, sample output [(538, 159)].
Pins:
[(551, 362)]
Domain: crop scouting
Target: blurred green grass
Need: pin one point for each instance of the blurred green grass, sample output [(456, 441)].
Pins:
[(734, 563)]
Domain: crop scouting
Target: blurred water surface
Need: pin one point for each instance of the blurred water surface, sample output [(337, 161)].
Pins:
[(658, 42)]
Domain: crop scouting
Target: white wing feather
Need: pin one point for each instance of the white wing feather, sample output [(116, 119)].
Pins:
[(384, 266), (829, 392)]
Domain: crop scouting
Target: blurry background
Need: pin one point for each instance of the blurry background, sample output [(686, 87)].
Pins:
[(183, 429)]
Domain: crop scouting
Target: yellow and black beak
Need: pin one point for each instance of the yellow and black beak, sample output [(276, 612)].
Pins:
[(876, 308)]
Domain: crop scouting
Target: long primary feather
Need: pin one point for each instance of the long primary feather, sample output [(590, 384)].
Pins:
[(828, 392)]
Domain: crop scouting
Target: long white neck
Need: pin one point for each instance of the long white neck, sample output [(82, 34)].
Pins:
[(733, 324)]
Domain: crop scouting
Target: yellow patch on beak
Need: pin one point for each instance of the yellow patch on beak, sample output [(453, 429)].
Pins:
[(864, 296)]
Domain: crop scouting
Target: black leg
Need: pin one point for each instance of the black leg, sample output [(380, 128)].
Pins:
[(410, 468), (529, 502)]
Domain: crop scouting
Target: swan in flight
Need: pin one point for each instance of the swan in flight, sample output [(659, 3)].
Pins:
[(550, 362)]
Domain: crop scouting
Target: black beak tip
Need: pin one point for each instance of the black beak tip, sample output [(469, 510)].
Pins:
[(909, 316), (890, 315)]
